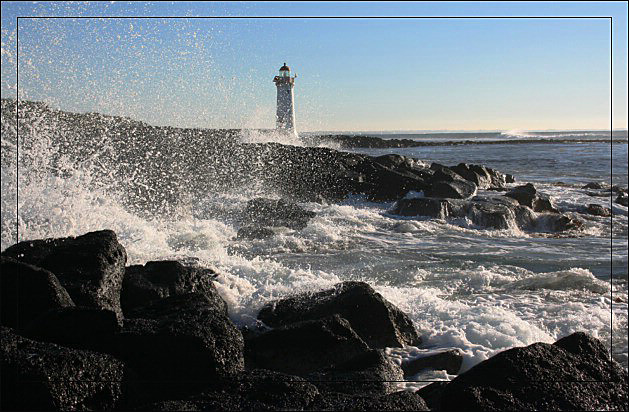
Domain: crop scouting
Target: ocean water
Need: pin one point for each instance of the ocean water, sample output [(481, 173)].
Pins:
[(482, 291)]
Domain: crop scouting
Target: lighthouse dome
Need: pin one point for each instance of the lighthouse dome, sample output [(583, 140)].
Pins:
[(284, 68)]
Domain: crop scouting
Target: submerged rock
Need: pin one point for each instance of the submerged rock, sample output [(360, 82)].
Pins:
[(28, 292), (143, 285), (254, 232), (271, 212), (90, 267), (422, 206), (598, 210), (304, 347), (622, 199), (575, 373), (449, 361), (378, 322), (45, 376)]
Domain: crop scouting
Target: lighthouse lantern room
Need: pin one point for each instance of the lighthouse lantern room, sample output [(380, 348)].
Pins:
[(285, 115)]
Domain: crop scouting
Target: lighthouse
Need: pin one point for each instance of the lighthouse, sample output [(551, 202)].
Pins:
[(285, 115)]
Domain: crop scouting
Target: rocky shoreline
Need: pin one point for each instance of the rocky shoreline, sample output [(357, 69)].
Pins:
[(81, 330)]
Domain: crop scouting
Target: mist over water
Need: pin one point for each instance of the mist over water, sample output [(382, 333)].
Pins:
[(467, 287)]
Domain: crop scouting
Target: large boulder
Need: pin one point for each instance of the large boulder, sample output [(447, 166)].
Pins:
[(377, 321), (304, 347), (179, 343), (456, 189), (528, 195), (45, 376), (574, 373), (476, 174), (622, 199), (28, 292), (143, 285), (90, 267), (276, 212), (254, 390), (372, 372), (598, 210), (77, 327)]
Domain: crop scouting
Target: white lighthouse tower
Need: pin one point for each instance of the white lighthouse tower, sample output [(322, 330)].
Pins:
[(285, 116)]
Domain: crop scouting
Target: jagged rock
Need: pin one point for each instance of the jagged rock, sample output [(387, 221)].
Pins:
[(382, 183), (443, 173), (396, 161), (457, 189), (527, 195), (491, 213), (378, 322), (372, 372), (90, 267), (474, 173), (254, 232), (28, 292), (270, 212), (622, 199), (143, 285), (562, 223), (575, 373), (304, 347), (449, 361), (179, 343), (397, 401), (77, 327), (422, 206), (598, 210), (45, 376), (249, 391)]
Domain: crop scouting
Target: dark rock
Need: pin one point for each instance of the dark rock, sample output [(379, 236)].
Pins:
[(562, 223), (28, 292), (397, 401), (598, 210), (457, 189), (143, 285), (304, 347), (432, 394), (622, 199), (423, 206), (254, 232), (509, 178), (449, 361), (474, 173), (378, 322), (270, 212), (77, 327), (381, 183), (372, 372), (179, 343), (45, 376), (443, 173), (575, 373), (90, 267), (249, 391), (396, 161), (489, 213), (527, 195)]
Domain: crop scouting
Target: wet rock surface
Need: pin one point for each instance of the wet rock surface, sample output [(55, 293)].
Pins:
[(145, 284), (372, 372), (271, 212), (386, 325), (45, 376), (90, 267), (575, 373), (28, 292), (306, 346), (449, 361), (528, 195)]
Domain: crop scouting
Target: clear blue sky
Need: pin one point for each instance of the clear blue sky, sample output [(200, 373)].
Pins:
[(353, 74)]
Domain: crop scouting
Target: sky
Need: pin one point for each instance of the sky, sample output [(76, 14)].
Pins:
[(375, 73)]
